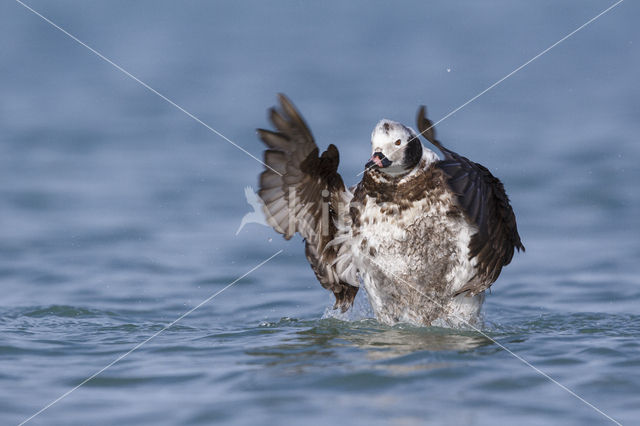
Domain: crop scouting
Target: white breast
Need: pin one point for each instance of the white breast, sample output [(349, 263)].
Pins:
[(411, 262)]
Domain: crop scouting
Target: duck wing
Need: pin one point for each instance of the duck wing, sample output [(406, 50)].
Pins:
[(303, 192), (482, 198)]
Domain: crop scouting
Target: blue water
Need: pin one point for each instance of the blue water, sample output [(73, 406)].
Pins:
[(118, 212)]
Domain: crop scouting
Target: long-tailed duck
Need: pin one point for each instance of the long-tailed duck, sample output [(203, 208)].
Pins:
[(424, 236)]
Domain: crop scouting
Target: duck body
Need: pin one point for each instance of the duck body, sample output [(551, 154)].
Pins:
[(424, 236), (410, 243)]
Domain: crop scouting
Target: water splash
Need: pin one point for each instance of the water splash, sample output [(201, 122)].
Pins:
[(360, 310)]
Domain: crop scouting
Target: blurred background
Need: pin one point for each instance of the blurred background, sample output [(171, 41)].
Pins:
[(118, 212)]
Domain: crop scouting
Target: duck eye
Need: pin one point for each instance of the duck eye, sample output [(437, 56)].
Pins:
[(398, 142)]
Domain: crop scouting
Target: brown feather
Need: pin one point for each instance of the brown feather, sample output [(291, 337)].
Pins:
[(483, 199), (294, 153)]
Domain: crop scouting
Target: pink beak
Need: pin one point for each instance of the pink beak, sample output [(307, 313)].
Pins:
[(376, 160)]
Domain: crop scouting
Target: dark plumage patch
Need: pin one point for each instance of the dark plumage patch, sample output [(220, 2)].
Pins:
[(354, 212), (324, 167), (345, 297), (412, 153), (388, 189)]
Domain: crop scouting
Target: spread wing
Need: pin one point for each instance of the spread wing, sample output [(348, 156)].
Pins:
[(482, 198), (303, 192)]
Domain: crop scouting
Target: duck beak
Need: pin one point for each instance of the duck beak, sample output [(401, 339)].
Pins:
[(378, 161)]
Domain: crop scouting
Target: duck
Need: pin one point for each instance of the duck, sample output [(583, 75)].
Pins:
[(425, 237)]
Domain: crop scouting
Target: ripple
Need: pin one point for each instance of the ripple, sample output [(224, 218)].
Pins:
[(572, 323), (62, 311), (105, 381)]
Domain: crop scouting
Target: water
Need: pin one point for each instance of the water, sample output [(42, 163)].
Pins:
[(118, 213)]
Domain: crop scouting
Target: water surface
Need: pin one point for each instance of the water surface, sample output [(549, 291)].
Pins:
[(118, 212)]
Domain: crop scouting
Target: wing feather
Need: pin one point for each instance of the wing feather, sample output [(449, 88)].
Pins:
[(483, 199), (291, 190)]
